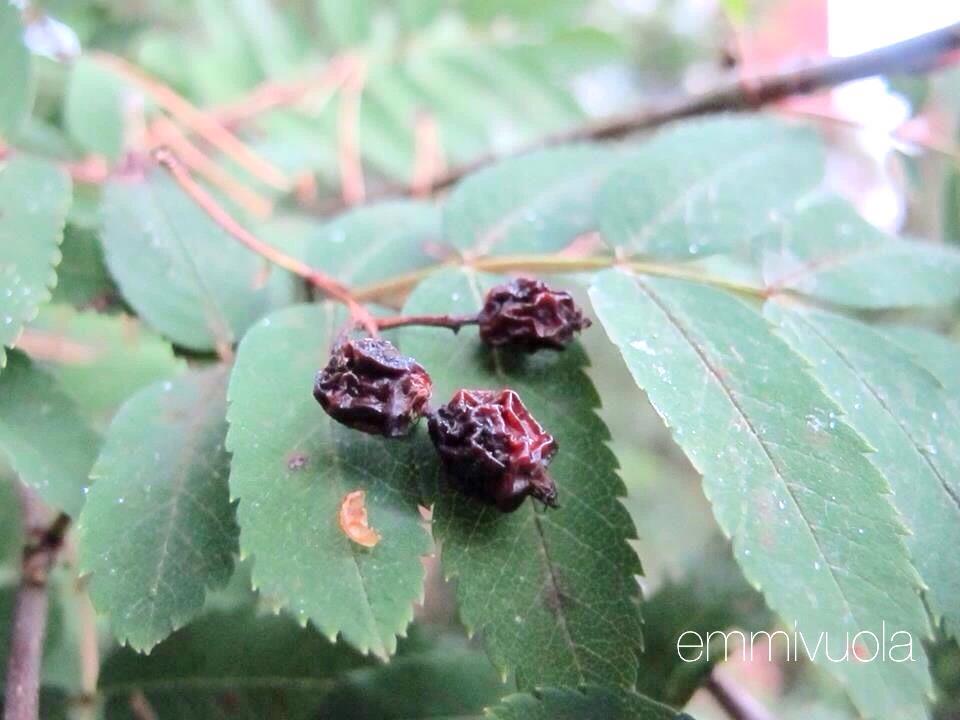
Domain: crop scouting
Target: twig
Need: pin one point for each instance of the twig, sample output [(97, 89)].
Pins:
[(198, 121), (454, 322), (352, 186), (205, 201), (22, 698), (164, 132), (910, 55), (428, 161), (273, 95), (734, 700)]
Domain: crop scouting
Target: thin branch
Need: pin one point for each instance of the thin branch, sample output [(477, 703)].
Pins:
[(734, 700), (166, 133), (913, 55), (28, 630), (206, 202), (453, 322)]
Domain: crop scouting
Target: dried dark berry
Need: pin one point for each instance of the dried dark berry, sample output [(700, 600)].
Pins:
[(529, 315), (493, 448), (368, 385)]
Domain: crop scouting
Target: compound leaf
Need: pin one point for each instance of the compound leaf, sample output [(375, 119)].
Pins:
[(789, 481)]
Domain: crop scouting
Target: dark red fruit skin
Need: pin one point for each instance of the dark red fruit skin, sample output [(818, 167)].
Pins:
[(528, 315), (493, 449), (369, 386)]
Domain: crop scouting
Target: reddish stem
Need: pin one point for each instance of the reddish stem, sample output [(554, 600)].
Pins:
[(454, 322), (221, 217)]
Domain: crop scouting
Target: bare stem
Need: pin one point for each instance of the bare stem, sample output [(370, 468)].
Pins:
[(913, 55), (225, 220), (22, 698), (734, 700), (453, 322)]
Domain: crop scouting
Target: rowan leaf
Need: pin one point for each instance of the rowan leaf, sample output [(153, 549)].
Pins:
[(96, 107), (810, 519), (178, 269), (900, 409), (34, 198), (585, 703), (827, 251), (100, 360), (16, 92), (82, 277), (554, 593), (43, 436), (292, 466), (158, 528), (375, 242), (702, 187), (534, 203)]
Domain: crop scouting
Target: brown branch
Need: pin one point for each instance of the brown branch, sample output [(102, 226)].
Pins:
[(913, 55), (734, 700), (352, 186), (22, 698), (453, 322), (206, 202)]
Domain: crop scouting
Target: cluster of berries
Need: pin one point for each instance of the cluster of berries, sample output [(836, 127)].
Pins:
[(490, 445)]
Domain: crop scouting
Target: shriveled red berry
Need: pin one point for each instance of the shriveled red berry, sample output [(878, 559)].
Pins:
[(493, 448), (368, 385), (529, 315)]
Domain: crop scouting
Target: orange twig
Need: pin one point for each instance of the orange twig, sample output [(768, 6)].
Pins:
[(323, 282), (352, 185), (165, 132), (273, 95), (198, 121), (428, 163)]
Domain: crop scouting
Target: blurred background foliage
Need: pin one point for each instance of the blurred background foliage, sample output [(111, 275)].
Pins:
[(451, 81)]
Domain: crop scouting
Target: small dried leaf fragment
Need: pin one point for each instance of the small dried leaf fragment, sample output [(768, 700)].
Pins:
[(354, 521)]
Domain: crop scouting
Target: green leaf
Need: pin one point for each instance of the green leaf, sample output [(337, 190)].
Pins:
[(34, 197), (587, 703), (348, 24), (96, 106), (898, 408), (158, 528), (446, 679), (259, 665), (534, 203), (951, 208), (82, 276), (292, 466), (702, 187), (827, 251), (16, 91), (553, 593), (100, 360), (375, 242), (179, 270), (11, 527), (809, 516), (42, 435), (938, 354)]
